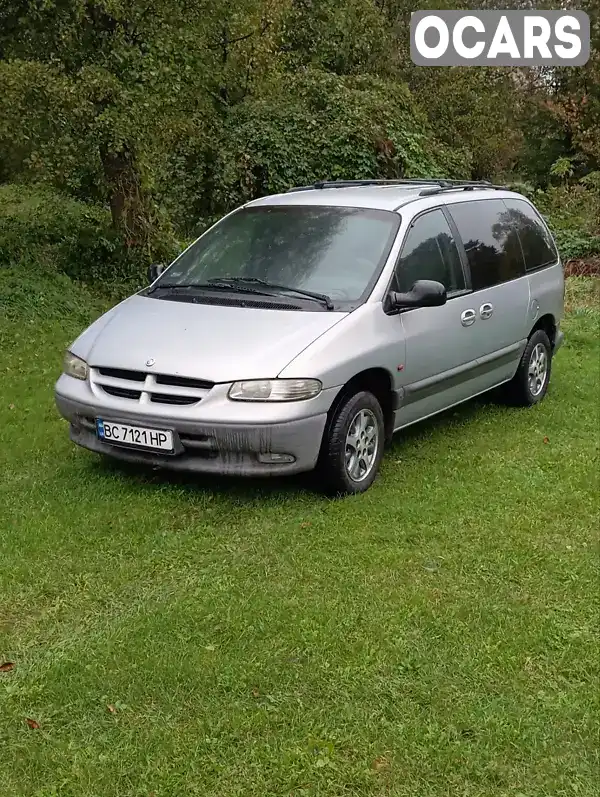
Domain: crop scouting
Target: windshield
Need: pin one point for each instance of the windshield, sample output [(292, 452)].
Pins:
[(334, 251)]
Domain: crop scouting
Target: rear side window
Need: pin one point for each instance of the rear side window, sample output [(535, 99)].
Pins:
[(490, 240), (430, 253), (538, 247)]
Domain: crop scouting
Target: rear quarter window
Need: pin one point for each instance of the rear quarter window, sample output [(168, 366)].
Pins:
[(491, 242), (538, 246)]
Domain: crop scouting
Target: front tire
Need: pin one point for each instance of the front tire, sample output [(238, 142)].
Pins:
[(530, 383), (352, 446)]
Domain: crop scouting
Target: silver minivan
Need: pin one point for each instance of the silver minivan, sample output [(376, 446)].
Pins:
[(303, 329)]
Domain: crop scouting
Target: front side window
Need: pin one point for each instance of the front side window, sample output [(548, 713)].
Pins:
[(430, 253), (335, 251), (538, 246), (490, 240)]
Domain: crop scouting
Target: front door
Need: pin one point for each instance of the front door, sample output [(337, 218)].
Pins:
[(442, 343)]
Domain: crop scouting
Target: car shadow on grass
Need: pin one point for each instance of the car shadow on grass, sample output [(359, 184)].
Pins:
[(247, 489), (283, 487), (461, 415)]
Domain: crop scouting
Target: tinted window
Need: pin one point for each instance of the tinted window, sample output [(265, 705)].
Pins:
[(491, 241), (331, 250), (429, 253), (538, 247)]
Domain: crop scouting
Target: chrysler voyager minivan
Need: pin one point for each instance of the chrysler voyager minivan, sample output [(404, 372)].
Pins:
[(303, 329)]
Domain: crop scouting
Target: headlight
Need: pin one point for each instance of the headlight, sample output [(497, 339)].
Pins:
[(275, 390), (75, 366)]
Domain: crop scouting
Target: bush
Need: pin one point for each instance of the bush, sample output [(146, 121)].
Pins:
[(316, 125), (576, 244), (46, 229), (574, 207), (298, 129)]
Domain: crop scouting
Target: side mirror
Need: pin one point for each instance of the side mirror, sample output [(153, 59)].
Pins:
[(154, 271), (424, 293)]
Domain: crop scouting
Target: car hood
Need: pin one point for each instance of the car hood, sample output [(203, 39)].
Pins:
[(216, 343)]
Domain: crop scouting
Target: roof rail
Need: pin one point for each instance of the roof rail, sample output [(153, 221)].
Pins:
[(458, 186), (408, 181), (436, 184)]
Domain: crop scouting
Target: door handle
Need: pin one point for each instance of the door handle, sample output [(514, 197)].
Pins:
[(467, 317), (486, 310)]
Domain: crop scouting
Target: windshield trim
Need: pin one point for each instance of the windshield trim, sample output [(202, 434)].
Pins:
[(339, 305)]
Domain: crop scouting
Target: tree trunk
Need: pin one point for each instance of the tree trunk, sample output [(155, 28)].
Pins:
[(128, 205)]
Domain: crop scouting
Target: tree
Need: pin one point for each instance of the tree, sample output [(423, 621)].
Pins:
[(112, 84)]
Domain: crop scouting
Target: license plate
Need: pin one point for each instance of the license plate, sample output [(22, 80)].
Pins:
[(122, 434)]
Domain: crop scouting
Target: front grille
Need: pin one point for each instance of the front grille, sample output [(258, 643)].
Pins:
[(165, 398), (122, 392), (120, 373), (183, 381), (146, 387)]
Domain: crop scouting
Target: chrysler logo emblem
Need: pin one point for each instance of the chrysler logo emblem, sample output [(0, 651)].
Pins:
[(150, 362)]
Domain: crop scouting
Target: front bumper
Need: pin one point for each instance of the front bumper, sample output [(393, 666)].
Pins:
[(206, 447)]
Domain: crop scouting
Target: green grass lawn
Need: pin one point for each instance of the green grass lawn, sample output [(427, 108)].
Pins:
[(178, 636)]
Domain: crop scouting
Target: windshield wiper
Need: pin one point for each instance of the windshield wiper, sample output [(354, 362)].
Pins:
[(234, 281), (236, 284), (171, 286), (216, 284)]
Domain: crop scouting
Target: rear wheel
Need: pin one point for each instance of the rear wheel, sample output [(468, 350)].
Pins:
[(353, 445), (530, 384)]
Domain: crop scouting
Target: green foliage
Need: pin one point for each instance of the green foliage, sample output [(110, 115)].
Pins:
[(573, 214), (469, 110), (91, 94), (169, 113), (575, 244), (576, 100), (592, 181), (347, 38), (575, 207), (563, 168), (305, 127), (545, 139), (522, 187), (43, 227)]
